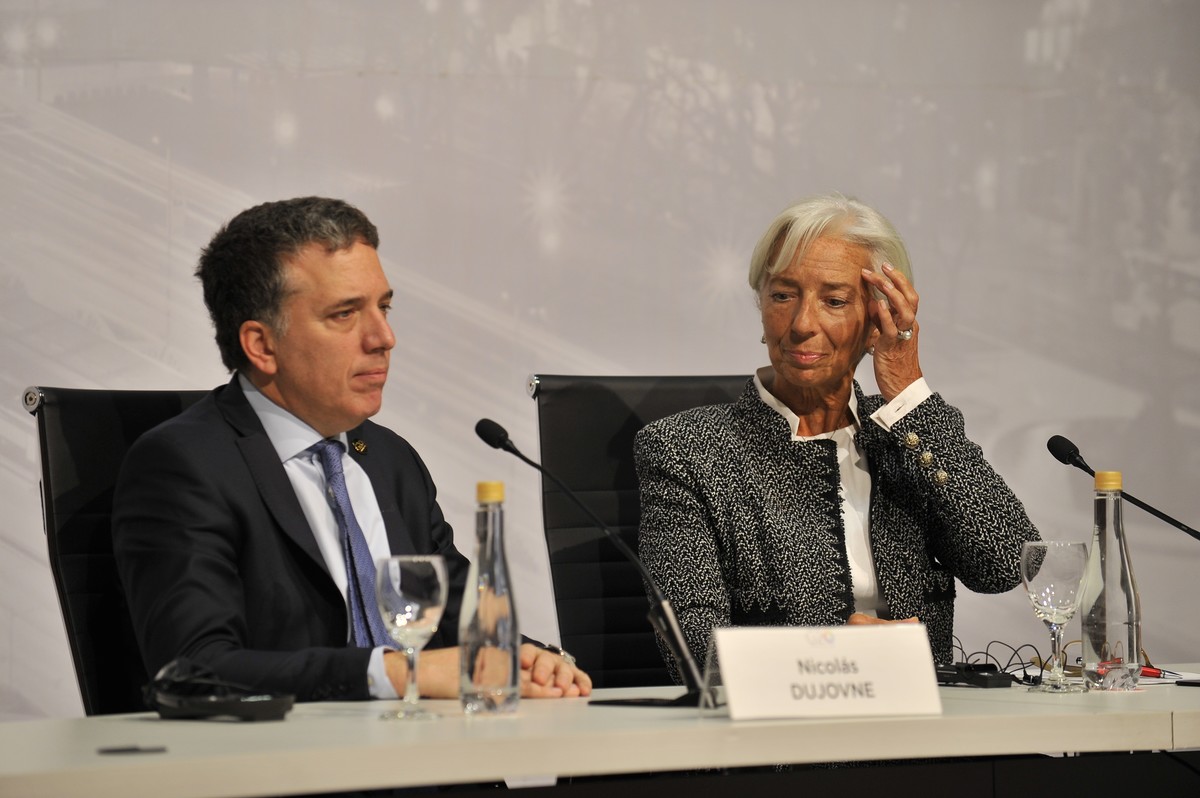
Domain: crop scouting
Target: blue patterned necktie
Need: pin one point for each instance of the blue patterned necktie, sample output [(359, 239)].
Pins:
[(365, 621)]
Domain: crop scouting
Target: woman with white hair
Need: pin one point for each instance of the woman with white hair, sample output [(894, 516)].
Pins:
[(806, 501)]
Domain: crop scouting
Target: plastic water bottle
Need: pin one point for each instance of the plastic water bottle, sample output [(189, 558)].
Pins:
[(490, 642), (1111, 609)]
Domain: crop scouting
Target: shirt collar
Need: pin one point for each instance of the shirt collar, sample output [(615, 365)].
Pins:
[(792, 419), (288, 434)]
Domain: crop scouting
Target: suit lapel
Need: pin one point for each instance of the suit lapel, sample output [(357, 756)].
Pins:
[(269, 477), (382, 477)]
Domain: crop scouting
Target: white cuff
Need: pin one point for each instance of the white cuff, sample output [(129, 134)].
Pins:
[(378, 683), (891, 413)]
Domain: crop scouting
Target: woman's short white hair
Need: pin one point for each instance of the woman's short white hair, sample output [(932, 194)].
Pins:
[(826, 216)]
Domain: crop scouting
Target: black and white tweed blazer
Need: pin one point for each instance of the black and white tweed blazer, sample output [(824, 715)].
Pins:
[(741, 525)]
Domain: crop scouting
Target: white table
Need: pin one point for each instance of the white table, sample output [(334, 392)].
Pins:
[(345, 746)]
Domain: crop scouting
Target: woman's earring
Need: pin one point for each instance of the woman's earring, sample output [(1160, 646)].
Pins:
[(763, 340)]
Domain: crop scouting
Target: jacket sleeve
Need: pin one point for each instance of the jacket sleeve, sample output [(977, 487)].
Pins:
[(975, 525), (677, 540)]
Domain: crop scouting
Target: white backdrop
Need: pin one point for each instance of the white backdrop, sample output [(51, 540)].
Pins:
[(574, 186)]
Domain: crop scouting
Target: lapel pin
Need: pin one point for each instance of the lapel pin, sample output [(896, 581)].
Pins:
[(359, 445)]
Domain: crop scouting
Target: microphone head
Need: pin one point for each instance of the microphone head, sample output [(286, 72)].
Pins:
[(1063, 450), (491, 433)]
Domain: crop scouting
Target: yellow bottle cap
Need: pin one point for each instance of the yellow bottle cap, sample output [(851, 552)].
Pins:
[(489, 492), (1108, 480)]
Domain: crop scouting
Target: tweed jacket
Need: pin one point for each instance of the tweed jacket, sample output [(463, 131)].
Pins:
[(741, 525)]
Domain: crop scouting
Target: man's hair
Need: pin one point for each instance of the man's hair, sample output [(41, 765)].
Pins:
[(242, 268)]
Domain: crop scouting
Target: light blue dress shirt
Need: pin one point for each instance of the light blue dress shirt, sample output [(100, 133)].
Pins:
[(291, 438)]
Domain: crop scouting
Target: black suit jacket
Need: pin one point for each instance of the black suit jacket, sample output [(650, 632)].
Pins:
[(220, 565)]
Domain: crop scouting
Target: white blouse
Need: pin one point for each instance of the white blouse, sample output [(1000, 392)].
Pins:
[(856, 484)]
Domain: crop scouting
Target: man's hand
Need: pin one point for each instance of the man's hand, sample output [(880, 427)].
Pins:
[(544, 674), (437, 672)]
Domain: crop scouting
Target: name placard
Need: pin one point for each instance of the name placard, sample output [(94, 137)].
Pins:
[(827, 671)]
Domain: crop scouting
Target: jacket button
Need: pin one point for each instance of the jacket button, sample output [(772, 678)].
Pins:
[(941, 477), (927, 459), (912, 440)]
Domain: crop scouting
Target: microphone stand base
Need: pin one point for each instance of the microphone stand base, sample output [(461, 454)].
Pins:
[(688, 699)]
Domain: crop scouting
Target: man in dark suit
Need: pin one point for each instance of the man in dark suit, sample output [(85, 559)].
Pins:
[(230, 551)]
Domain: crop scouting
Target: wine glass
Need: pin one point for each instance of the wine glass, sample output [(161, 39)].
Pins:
[(1052, 572), (411, 591)]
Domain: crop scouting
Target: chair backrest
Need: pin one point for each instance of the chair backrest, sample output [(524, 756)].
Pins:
[(84, 435), (587, 426)]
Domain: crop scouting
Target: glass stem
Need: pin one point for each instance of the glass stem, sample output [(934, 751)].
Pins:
[(1056, 668), (411, 693)]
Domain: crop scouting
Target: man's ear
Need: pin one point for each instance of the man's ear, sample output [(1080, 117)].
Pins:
[(258, 342)]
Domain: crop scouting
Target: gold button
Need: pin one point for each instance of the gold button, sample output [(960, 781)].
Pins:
[(926, 459), (941, 477), (911, 440)]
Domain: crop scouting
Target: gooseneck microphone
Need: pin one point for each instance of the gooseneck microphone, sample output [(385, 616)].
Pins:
[(496, 436), (661, 615), (1068, 453)]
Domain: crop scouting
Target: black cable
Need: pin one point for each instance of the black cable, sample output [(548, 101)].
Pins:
[(1175, 755), (1013, 665)]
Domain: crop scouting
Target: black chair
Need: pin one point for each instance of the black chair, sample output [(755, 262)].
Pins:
[(587, 426), (84, 435)]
